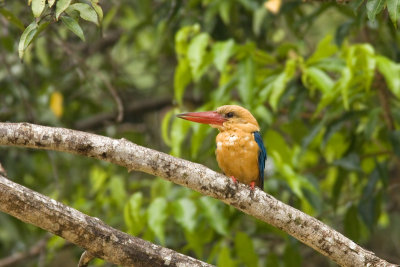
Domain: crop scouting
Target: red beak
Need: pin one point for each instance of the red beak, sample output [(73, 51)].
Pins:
[(207, 117)]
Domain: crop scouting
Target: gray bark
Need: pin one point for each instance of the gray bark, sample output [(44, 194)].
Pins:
[(257, 203), (90, 233)]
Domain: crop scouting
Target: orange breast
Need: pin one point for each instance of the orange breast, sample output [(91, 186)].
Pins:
[(237, 155)]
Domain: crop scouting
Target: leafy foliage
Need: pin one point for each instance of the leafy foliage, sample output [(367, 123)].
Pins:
[(323, 80)]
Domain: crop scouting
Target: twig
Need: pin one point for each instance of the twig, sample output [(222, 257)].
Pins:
[(2, 170), (132, 108), (32, 252), (255, 202), (117, 99), (86, 257)]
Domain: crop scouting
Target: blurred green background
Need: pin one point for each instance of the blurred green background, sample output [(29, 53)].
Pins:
[(321, 77)]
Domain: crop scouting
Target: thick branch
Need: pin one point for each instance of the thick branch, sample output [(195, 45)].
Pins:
[(87, 232), (197, 177)]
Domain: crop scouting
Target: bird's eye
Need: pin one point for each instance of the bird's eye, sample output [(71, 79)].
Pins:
[(229, 115)]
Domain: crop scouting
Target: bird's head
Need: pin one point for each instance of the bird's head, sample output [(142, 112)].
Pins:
[(228, 117)]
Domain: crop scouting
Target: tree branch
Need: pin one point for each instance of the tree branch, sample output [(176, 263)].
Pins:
[(32, 252), (256, 203), (90, 233), (139, 107)]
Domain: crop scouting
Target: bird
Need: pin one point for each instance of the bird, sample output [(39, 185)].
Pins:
[(240, 150)]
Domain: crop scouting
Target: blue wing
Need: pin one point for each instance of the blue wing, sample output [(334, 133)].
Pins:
[(262, 157)]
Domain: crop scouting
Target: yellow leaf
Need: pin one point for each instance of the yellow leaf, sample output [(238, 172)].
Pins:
[(56, 103), (273, 6)]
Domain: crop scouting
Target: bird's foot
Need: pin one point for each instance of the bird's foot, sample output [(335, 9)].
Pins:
[(234, 179), (252, 184)]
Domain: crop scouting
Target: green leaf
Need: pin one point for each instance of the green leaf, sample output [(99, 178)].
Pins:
[(160, 188), (366, 209), (391, 72), (313, 133), (325, 48), (179, 129), (374, 7), (245, 250), (365, 61), (117, 189), (61, 6), (73, 26), (343, 31), (156, 217), (86, 12), (182, 38), (262, 57), (182, 78), (12, 18), (199, 133), (351, 162), (98, 178), (51, 2), (272, 260), (26, 38), (291, 256), (327, 98), (276, 142), (212, 210), (98, 9), (316, 78), (164, 127), (264, 114), (343, 84), (393, 7), (42, 27), (258, 19), (222, 51), (352, 224), (246, 84), (225, 259), (279, 84), (355, 5), (132, 214), (224, 11), (38, 7), (198, 239), (184, 213), (373, 120), (335, 125), (394, 138), (197, 55)]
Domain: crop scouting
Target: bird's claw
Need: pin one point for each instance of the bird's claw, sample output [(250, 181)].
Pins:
[(252, 184), (234, 179)]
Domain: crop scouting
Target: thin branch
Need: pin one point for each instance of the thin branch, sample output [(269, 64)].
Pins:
[(134, 108), (256, 203), (90, 233), (86, 257), (117, 99), (32, 252), (2, 170)]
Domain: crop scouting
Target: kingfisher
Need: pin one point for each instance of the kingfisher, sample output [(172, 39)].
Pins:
[(240, 150)]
